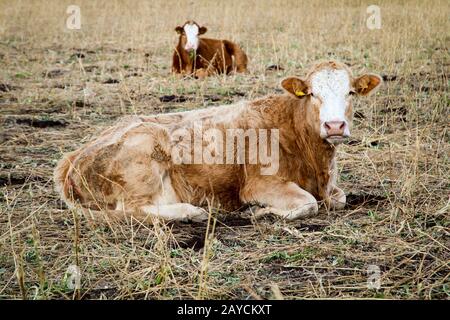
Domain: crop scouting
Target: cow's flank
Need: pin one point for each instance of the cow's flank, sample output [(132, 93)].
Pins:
[(132, 169)]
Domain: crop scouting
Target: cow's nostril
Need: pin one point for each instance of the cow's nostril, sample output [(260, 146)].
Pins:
[(335, 128)]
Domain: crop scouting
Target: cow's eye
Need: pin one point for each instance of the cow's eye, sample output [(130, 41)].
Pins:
[(351, 93), (312, 94)]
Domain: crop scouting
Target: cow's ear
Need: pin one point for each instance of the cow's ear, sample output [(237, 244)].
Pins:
[(295, 86), (179, 30), (366, 83), (202, 30)]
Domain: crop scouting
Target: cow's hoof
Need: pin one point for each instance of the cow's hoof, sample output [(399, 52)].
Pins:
[(201, 74), (197, 214), (258, 212), (338, 199), (251, 211), (337, 205), (305, 211)]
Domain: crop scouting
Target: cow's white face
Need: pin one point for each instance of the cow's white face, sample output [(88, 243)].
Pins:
[(332, 89), (328, 89), (191, 31)]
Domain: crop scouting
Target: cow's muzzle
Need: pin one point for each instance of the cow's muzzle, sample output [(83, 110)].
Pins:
[(336, 131)]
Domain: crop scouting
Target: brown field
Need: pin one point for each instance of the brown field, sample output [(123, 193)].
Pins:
[(59, 87)]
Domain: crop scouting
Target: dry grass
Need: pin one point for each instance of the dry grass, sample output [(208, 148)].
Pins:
[(396, 170)]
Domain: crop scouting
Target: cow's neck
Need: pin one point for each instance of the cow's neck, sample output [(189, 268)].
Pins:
[(185, 58), (312, 150)]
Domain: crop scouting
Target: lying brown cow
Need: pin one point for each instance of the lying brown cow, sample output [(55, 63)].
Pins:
[(169, 165), (202, 57)]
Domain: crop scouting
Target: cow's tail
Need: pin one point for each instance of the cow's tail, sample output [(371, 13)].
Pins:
[(240, 58), (63, 181)]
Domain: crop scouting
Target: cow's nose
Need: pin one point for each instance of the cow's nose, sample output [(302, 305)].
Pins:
[(335, 128)]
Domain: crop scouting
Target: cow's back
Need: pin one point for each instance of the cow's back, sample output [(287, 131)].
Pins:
[(213, 52)]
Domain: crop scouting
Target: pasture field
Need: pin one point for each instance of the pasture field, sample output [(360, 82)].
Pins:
[(60, 87)]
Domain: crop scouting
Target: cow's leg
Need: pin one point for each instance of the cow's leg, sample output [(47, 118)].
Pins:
[(282, 198), (170, 212), (176, 211), (205, 72), (240, 58), (201, 73), (145, 188), (167, 205), (337, 198)]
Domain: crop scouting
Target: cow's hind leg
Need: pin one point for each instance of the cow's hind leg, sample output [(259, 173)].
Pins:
[(176, 211), (140, 180), (240, 58), (144, 214)]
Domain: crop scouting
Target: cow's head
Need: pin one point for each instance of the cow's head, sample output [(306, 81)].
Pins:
[(329, 88), (189, 33)]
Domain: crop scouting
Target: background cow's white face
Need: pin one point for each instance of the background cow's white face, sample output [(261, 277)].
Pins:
[(332, 87), (328, 88), (191, 30)]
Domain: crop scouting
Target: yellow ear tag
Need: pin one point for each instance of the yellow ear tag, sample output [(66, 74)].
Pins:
[(299, 93)]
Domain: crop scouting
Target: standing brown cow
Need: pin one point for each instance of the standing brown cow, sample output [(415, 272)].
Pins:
[(202, 57)]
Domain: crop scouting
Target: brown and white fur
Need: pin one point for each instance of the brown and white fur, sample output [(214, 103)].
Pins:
[(128, 171), (202, 57)]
